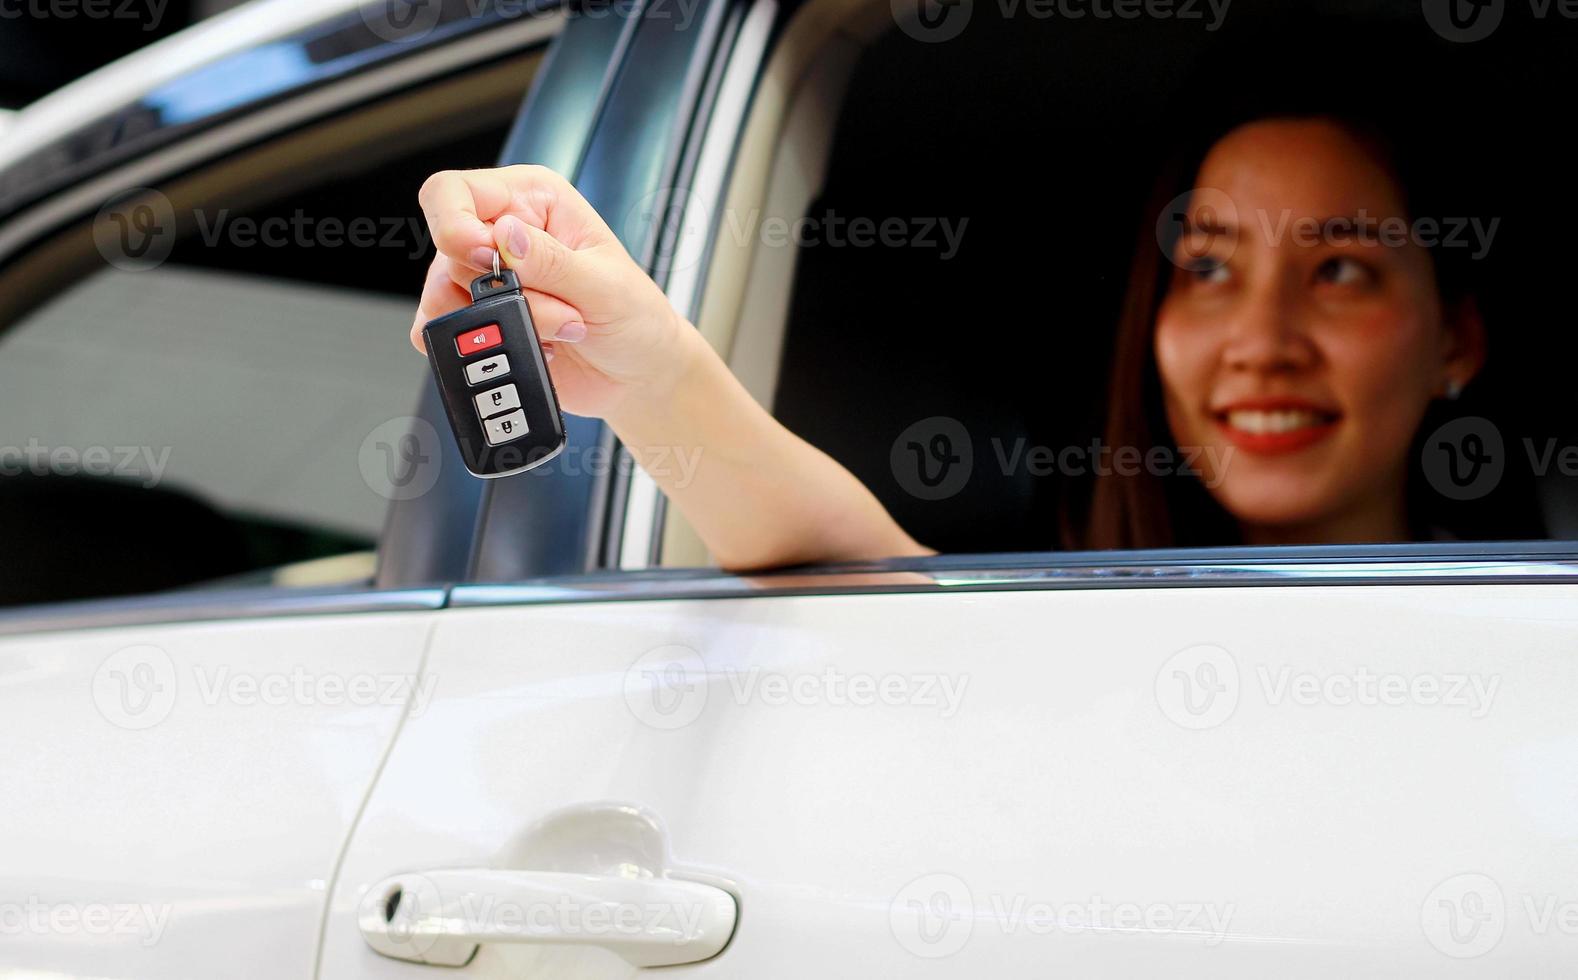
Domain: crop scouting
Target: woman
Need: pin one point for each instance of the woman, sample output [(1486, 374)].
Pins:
[(1290, 341)]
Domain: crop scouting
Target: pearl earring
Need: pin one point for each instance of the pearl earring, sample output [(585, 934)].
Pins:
[(1454, 388)]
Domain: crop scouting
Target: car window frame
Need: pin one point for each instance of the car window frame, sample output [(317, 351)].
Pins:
[(191, 148), (633, 542)]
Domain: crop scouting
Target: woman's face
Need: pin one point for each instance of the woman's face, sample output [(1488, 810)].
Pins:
[(1298, 351)]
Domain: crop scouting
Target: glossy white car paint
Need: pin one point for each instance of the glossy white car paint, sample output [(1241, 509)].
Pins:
[(1200, 782), (175, 797)]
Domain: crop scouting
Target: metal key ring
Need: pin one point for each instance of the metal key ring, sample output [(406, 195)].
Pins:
[(496, 263)]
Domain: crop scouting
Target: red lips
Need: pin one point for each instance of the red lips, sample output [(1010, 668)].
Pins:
[(1273, 426)]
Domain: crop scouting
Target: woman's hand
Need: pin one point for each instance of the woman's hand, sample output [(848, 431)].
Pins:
[(607, 328), (758, 495)]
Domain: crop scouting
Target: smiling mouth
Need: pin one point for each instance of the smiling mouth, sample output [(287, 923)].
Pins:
[(1275, 430)]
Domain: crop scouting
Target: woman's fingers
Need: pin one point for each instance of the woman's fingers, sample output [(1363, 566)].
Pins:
[(543, 262), (440, 295), (458, 205), (554, 318)]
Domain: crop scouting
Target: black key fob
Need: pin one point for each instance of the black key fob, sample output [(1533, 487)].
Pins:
[(494, 381)]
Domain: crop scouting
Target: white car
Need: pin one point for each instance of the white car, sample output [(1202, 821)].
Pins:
[(289, 694)]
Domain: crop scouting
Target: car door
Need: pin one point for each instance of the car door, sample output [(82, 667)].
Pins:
[(186, 758), (1213, 768)]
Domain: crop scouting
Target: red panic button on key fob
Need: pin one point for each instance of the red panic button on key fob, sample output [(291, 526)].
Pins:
[(474, 341)]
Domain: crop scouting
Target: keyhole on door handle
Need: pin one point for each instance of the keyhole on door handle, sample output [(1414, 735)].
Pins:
[(392, 903)]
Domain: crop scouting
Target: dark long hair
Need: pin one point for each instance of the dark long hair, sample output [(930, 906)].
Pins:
[(1147, 510)]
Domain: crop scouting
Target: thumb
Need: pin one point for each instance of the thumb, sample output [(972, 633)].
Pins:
[(541, 261)]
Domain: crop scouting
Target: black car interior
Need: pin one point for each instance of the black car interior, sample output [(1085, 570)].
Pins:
[(1042, 133)]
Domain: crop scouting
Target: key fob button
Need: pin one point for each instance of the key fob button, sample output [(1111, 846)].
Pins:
[(478, 340), (487, 369), (505, 428), (497, 401)]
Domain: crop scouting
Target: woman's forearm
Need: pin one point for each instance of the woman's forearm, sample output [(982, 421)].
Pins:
[(758, 495)]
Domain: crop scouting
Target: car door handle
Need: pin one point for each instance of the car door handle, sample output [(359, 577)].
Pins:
[(443, 917)]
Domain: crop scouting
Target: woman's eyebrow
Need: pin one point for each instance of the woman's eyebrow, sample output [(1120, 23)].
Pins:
[(1207, 225), (1347, 227)]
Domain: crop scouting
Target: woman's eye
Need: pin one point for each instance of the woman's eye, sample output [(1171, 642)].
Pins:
[(1339, 271), (1206, 270)]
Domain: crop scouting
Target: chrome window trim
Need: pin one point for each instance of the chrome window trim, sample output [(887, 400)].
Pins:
[(120, 83), (87, 197), (1535, 563), (201, 605), (642, 526), (1513, 564)]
